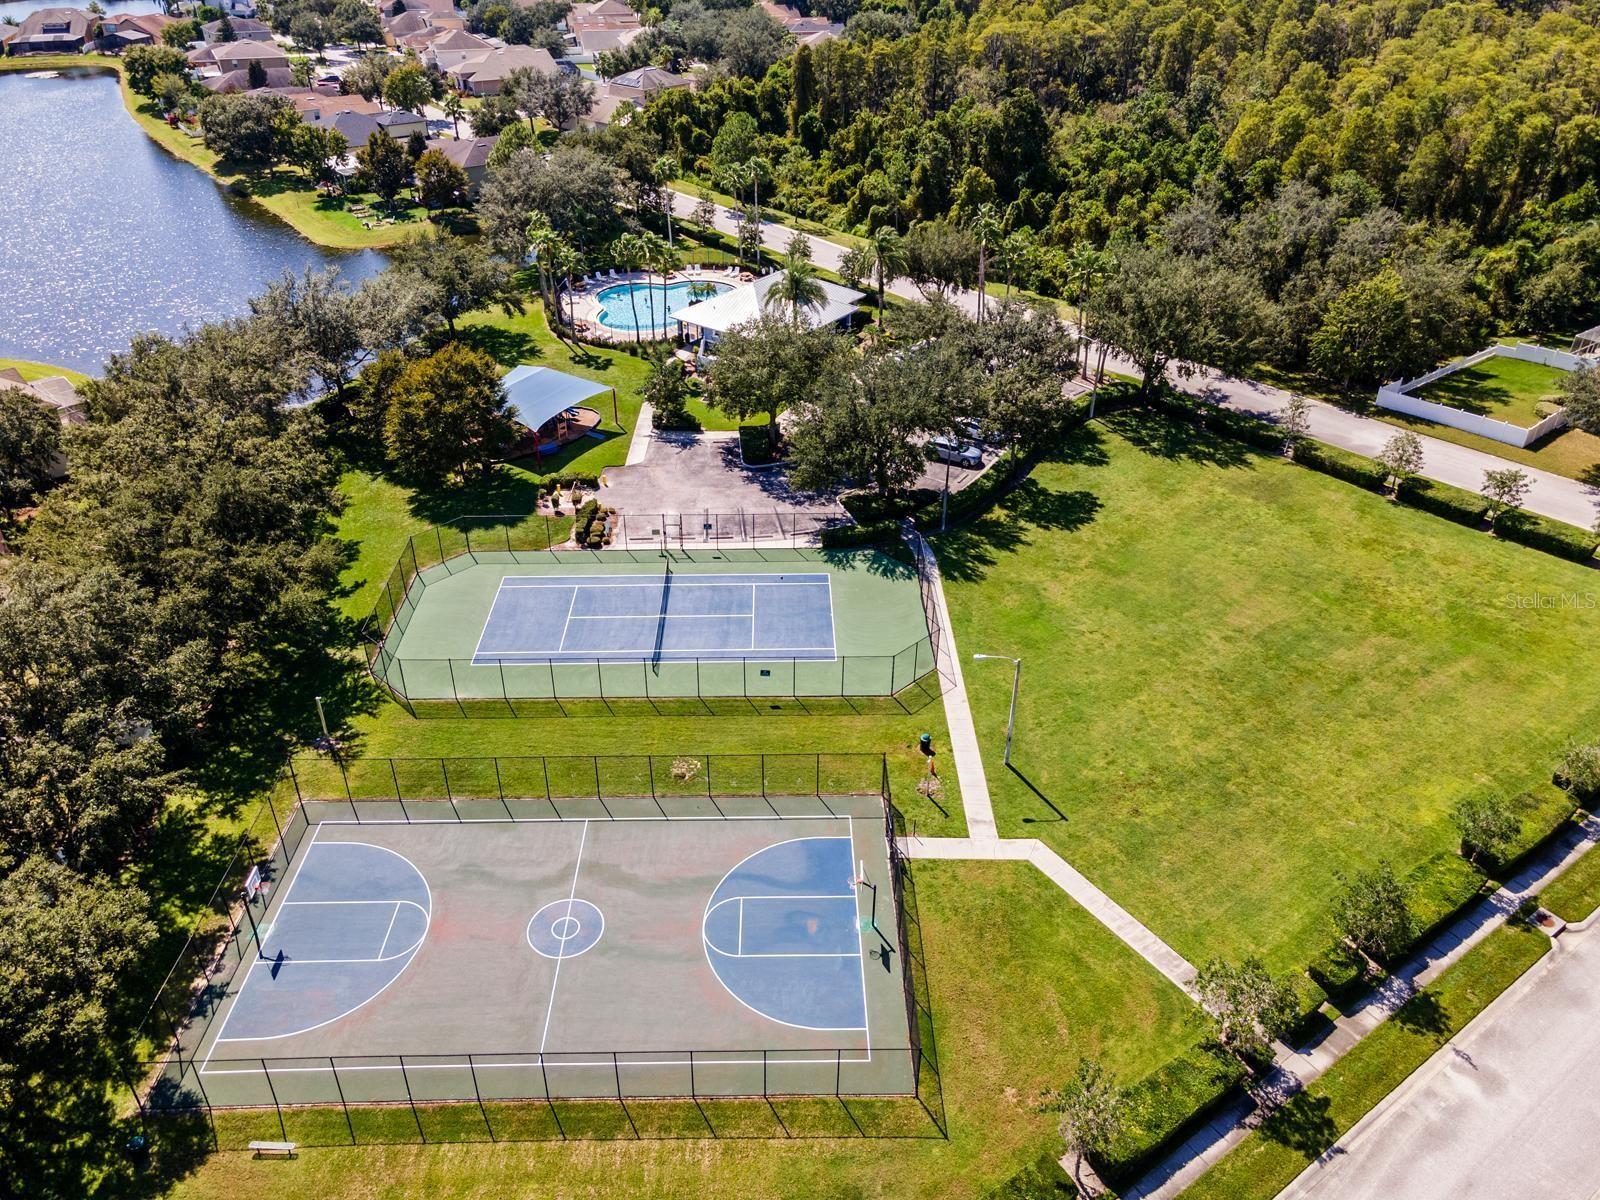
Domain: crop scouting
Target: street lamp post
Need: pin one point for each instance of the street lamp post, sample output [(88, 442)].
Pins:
[(1016, 684)]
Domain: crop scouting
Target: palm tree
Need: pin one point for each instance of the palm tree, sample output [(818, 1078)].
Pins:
[(660, 257), (631, 252), (756, 170), (665, 170), (454, 108), (800, 287), (1086, 268), (565, 262), (886, 256), (986, 228), (541, 236), (1015, 251)]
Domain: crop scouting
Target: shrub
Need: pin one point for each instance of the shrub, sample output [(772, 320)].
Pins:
[(1442, 500), (584, 520), (1339, 971), (1579, 772), (577, 479), (1341, 464), (1309, 999), (1167, 1105), (1553, 537), (1439, 888), (838, 536), (1542, 815), (870, 507)]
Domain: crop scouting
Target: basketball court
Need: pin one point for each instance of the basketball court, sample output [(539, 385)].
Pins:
[(453, 959)]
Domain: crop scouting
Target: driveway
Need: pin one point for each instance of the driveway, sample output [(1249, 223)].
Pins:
[(1508, 1108), (687, 480)]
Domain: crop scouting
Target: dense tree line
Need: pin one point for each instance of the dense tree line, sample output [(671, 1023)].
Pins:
[(1473, 124)]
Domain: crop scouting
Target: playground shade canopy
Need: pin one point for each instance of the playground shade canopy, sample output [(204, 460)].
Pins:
[(539, 394)]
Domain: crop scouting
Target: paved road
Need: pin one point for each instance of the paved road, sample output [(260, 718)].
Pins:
[(1551, 495), (1509, 1108)]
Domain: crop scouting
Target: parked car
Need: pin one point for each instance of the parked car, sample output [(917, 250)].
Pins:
[(972, 429), (947, 449)]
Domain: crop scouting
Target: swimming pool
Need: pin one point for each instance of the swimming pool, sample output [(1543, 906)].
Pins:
[(617, 302)]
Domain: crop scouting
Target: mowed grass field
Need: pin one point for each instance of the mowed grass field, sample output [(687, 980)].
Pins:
[(1241, 677), (1023, 983), (1507, 389)]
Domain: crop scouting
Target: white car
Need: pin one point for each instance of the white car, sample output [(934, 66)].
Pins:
[(947, 449)]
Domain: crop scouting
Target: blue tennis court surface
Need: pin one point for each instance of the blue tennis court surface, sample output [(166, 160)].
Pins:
[(628, 618), (353, 918), (783, 935)]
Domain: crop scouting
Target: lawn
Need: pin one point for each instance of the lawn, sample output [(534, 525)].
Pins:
[(1023, 983), (35, 370), (1575, 894), (1241, 678), (1505, 389), (1289, 1141)]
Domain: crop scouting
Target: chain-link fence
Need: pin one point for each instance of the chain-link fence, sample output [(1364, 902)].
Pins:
[(827, 1091)]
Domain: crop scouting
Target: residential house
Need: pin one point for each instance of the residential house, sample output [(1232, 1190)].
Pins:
[(447, 49), (809, 30), (471, 154), (53, 31), (245, 29), (54, 392), (599, 26), (272, 78), (319, 108), (358, 128), (7, 32), (237, 56), (482, 74), (630, 88), (133, 29)]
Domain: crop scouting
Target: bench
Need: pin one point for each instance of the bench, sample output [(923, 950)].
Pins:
[(286, 1149)]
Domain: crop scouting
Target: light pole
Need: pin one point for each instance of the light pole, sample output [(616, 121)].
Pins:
[(1016, 683)]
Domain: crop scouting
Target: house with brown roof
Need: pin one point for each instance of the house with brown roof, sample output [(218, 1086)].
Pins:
[(471, 154), (272, 78), (482, 74), (133, 29), (237, 56), (53, 31), (630, 88), (449, 48), (810, 30)]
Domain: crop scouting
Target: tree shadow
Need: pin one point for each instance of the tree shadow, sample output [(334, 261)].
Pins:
[(504, 490), (508, 347), (1166, 436), (969, 552), (1423, 1014), (1303, 1125)]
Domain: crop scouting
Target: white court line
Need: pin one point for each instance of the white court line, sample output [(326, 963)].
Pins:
[(388, 931), (741, 926), (866, 1007), (658, 616), (554, 1066), (767, 816), (555, 981), (706, 947), (408, 955), (565, 625)]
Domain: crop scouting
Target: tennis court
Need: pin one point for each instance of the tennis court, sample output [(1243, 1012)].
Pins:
[(565, 624), (620, 618), (462, 959)]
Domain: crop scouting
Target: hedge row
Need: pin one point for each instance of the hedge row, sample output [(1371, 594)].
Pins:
[(972, 499), (1167, 1105), (1542, 814), (1441, 499), (838, 536), (1439, 888), (868, 507), (571, 479)]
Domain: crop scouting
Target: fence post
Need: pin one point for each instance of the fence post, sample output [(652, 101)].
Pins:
[(487, 1124), (549, 1099), (349, 1124), (444, 771), (412, 1100), (276, 1107), (455, 691), (294, 778), (439, 538)]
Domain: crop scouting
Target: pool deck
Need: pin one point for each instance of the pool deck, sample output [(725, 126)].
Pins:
[(586, 304)]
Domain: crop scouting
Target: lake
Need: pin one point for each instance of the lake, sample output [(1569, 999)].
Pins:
[(108, 235)]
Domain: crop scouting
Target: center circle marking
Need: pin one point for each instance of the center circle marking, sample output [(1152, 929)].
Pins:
[(565, 928)]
